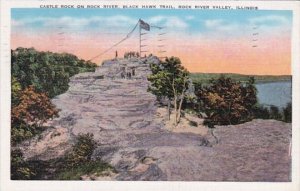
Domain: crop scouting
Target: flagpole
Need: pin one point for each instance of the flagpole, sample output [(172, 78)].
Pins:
[(140, 37)]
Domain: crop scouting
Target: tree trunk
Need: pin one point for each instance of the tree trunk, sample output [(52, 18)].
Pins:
[(179, 108), (175, 102), (175, 110), (178, 116), (169, 112)]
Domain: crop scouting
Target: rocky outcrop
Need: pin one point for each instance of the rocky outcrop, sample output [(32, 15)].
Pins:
[(116, 107)]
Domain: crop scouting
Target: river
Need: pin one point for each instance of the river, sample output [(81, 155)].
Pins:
[(275, 93)]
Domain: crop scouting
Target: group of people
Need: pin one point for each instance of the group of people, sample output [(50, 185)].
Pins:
[(131, 55), (125, 74)]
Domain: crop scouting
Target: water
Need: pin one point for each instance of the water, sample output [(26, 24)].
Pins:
[(275, 93)]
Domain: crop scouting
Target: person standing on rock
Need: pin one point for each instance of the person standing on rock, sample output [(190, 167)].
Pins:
[(116, 54)]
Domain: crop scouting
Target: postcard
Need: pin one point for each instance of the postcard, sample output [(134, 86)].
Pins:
[(149, 95)]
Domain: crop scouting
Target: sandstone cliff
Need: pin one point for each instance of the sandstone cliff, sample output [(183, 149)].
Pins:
[(131, 135)]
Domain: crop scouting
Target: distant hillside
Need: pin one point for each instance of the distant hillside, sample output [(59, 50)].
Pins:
[(205, 77)]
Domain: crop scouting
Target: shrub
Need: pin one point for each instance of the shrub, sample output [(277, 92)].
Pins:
[(193, 123), (82, 150), (21, 132), (89, 167), (28, 113), (20, 170), (287, 113), (78, 161), (275, 113), (34, 108), (261, 112)]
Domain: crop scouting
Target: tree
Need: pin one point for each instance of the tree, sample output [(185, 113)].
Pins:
[(249, 92), (226, 102), (46, 71), (275, 113), (287, 113), (169, 79), (34, 108)]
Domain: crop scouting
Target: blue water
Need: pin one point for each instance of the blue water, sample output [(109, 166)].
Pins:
[(274, 93)]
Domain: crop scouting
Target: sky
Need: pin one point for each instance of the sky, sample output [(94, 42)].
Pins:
[(208, 41)]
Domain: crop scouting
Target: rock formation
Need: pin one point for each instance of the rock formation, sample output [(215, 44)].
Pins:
[(122, 115)]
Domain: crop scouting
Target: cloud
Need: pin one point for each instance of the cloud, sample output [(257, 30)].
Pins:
[(190, 17), (268, 24), (273, 20), (119, 20), (74, 22), (156, 19), (213, 23), (168, 21), (66, 21), (220, 25), (271, 24), (16, 23)]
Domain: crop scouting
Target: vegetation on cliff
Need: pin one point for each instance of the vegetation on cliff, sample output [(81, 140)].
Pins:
[(78, 161), (37, 77), (30, 110), (226, 101), (48, 72), (169, 79)]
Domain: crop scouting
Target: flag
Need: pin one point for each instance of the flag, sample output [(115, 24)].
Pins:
[(144, 25)]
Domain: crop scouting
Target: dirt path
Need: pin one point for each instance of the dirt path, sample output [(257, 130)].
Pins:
[(122, 115)]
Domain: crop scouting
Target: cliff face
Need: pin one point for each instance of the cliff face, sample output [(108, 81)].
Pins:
[(114, 105)]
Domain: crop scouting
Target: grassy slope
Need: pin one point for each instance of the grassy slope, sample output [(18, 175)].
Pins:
[(205, 77)]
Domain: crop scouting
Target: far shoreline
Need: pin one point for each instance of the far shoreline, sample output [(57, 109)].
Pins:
[(259, 79)]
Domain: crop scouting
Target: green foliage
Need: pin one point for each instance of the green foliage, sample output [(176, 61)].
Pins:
[(78, 162), (249, 96), (48, 72), (82, 150), (21, 132), (273, 112), (261, 112), (287, 113), (167, 76), (226, 101), (15, 91), (20, 170), (169, 79), (88, 167)]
